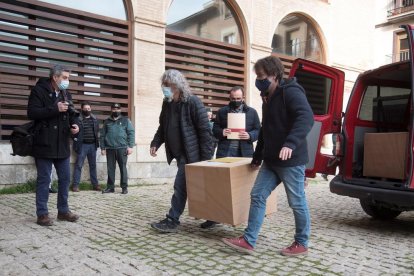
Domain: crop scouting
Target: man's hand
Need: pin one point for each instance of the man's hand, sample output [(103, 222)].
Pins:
[(129, 151), (285, 153), (226, 132), (243, 135), (103, 152), (255, 164), (153, 151), (74, 129), (62, 106)]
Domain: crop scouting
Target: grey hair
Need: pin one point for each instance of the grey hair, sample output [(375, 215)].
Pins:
[(57, 70), (175, 77)]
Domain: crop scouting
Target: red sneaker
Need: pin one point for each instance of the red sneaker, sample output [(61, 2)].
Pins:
[(239, 244), (295, 249)]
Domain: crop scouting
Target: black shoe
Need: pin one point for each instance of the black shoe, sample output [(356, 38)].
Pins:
[(165, 226), (52, 190), (324, 176), (208, 224), (107, 190), (124, 191)]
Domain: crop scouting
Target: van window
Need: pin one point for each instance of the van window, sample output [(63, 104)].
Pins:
[(318, 90), (385, 104)]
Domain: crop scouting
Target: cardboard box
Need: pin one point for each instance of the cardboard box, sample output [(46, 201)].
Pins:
[(385, 154), (220, 190)]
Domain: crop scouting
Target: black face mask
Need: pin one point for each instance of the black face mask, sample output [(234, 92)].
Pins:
[(86, 113), (116, 114), (235, 104), (263, 86)]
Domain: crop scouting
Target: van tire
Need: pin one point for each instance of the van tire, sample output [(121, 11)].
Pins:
[(378, 212)]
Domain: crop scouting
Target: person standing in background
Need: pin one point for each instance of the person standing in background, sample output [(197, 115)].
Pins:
[(85, 144), (117, 141)]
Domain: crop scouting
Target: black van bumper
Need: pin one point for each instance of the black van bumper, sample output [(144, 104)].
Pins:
[(398, 198)]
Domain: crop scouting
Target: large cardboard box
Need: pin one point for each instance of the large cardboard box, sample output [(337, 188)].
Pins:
[(219, 190), (385, 154)]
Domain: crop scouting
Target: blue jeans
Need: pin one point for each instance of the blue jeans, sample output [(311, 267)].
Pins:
[(87, 150), (179, 197), (267, 180), (44, 169)]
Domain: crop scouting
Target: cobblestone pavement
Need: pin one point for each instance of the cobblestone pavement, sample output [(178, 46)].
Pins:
[(113, 237)]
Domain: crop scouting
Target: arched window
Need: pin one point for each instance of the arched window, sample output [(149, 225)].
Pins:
[(109, 8), (296, 36), (36, 35), (208, 19), (204, 40)]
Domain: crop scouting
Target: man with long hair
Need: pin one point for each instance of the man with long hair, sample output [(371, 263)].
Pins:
[(184, 128)]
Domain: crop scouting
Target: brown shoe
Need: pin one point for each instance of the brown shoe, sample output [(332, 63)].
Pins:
[(69, 216), (44, 220), (97, 188), (75, 189)]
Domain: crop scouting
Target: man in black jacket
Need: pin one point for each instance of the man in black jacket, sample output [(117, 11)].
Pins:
[(287, 119), (242, 147), (184, 128), (85, 144), (50, 106)]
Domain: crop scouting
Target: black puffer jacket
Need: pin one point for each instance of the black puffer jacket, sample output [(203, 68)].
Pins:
[(52, 133), (78, 138), (195, 131)]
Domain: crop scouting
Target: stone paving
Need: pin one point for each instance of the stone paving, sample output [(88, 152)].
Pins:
[(113, 237)]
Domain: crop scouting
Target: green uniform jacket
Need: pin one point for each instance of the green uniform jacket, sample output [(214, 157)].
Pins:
[(117, 134)]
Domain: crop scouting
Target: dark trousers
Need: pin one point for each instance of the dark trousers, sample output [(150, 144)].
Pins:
[(44, 170), (119, 156), (89, 151), (232, 151), (179, 197)]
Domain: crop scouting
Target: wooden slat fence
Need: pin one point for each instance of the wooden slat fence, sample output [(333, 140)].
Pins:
[(35, 35), (211, 67)]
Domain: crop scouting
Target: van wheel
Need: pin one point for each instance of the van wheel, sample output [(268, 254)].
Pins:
[(378, 212)]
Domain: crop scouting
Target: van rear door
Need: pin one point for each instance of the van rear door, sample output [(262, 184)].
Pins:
[(324, 88), (410, 35)]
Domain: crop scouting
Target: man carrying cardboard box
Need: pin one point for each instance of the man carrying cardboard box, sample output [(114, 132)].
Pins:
[(287, 119), (243, 145), (184, 128)]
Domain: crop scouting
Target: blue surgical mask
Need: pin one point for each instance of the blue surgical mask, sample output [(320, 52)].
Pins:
[(167, 92), (63, 85), (263, 85)]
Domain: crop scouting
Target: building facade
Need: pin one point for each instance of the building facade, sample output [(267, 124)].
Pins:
[(120, 53)]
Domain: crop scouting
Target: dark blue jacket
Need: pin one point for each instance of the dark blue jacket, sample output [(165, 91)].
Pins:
[(78, 138), (252, 127), (287, 119), (195, 130)]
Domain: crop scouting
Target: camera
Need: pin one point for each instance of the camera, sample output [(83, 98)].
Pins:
[(71, 109)]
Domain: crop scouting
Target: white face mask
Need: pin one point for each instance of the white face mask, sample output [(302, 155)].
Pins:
[(167, 93), (63, 85)]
